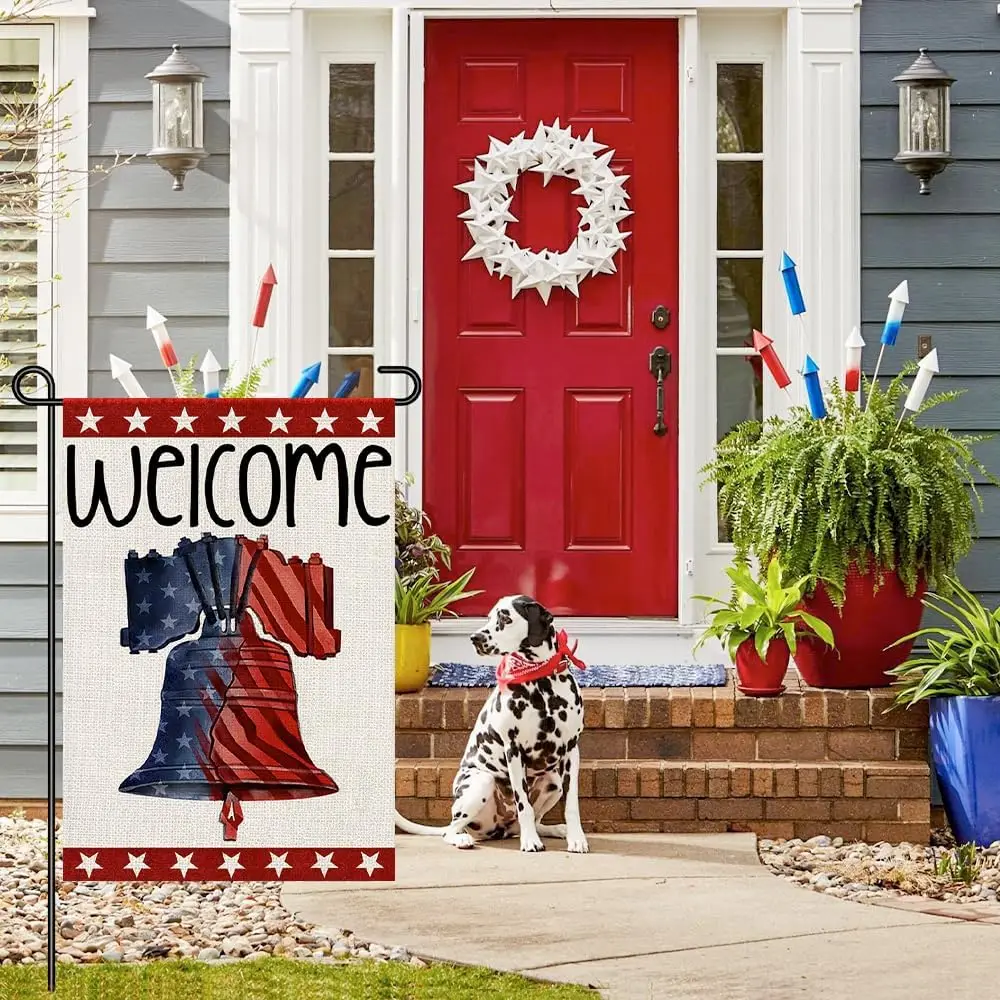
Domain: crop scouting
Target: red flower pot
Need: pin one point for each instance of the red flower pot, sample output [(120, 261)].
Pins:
[(762, 677), (869, 621)]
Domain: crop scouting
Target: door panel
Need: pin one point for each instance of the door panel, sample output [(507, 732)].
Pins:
[(541, 467)]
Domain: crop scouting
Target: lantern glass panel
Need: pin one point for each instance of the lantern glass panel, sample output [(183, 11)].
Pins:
[(175, 115), (197, 94), (926, 119)]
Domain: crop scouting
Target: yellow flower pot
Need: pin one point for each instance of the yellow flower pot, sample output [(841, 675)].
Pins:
[(413, 657)]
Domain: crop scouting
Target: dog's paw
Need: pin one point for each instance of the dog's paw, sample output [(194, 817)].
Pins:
[(463, 841), (577, 844), (531, 844)]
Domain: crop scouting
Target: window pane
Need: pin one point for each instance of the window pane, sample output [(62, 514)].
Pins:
[(340, 364), (19, 225), (352, 302), (352, 206), (740, 285), (740, 111), (352, 109), (739, 200), (739, 394)]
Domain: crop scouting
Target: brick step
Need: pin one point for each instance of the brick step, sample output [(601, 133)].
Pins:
[(698, 724), (860, 800)]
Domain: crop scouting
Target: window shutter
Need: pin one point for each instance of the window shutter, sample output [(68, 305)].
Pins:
[(19, 257)]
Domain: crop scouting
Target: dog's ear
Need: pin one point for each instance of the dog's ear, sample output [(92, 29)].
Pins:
[(539, 620)]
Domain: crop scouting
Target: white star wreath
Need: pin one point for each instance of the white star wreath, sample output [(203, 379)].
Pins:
[(553, 152)]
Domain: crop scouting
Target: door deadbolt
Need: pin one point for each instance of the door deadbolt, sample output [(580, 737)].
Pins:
[(660, 317)]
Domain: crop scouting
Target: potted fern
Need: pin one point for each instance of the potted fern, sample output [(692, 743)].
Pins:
[(874, 510), (420, 595), (760, 625), (958, 673)]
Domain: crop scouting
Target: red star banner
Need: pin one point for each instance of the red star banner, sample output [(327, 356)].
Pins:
[(228, 641)]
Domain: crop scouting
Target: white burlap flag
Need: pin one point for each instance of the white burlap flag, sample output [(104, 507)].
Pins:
[(228, 640)]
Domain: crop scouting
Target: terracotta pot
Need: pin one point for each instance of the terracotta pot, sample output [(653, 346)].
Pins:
[(868, 622), (762, 677)]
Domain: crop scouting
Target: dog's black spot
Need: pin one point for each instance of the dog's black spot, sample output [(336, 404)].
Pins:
[(553, 787), (473, 825), (563, 716), (539, 621), (547, 724)]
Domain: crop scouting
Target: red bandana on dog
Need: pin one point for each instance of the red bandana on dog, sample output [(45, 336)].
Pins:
[(515, 669)]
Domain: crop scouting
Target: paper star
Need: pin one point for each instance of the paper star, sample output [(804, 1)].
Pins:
[(88, 422), (370, 422), (137, 863), (279, 422), (324, 422), (369, 862), (88, 862), (231, 862), (324, 862), (231, 422), (184, 864), (279, 862), (136, 422), (185, 422)]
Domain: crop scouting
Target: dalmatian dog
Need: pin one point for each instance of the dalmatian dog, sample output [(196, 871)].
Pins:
[(523, 754)]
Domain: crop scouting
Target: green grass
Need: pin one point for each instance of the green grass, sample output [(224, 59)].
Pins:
[(277, 979)]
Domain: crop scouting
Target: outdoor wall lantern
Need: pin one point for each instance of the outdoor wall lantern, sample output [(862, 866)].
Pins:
[(924, 119), (178, 116)]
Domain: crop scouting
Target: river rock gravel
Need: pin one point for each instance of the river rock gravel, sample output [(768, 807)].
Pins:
[(866, 872), (215, 922)]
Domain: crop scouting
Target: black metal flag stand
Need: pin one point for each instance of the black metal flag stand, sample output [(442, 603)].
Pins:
[(51, 402)]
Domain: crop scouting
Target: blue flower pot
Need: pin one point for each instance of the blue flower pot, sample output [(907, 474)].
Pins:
[(965, 748)]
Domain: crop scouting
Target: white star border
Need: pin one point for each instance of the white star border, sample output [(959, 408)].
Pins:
[(552, 151)]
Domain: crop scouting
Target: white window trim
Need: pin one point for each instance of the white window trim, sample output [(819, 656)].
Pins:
[(63, 27), (818, 51)]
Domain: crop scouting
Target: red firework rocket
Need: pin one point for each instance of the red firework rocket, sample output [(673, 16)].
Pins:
[(764, 346)]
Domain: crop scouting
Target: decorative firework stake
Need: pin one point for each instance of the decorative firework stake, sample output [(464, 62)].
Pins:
[(814, 391), (157, 326), (264, 292), (553, 152), (793, 291), (926, 370), (899, 299), (308, 378), (121, 372), (853, 348), (210, 369), (764, 346)]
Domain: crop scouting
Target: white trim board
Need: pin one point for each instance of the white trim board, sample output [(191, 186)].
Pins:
[(813, 169), (64, 331)]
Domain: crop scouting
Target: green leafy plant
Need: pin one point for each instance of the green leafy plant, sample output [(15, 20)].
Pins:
[(960, 658), (417, 549), (963, 864), (762, 611), (851, 488), (242, 388), (422, 598)]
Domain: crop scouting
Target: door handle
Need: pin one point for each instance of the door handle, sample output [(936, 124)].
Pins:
[(659, 368)]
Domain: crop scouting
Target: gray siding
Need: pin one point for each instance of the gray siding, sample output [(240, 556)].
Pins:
[(945, 244), (149, 245)]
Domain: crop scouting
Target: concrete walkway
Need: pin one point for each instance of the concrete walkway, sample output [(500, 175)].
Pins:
[(651, 917)]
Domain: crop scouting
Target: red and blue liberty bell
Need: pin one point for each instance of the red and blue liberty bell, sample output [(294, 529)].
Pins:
[(229, 727)]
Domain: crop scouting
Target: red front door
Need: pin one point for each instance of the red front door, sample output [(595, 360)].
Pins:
[(541, 467)]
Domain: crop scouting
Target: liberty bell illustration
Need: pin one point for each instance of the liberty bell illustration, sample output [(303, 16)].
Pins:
[(229, 727)]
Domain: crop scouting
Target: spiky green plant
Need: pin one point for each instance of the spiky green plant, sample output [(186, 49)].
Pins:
[(187, 379), (422, 598), (851, 488)]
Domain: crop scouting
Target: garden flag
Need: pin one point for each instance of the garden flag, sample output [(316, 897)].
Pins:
[(228, 641)]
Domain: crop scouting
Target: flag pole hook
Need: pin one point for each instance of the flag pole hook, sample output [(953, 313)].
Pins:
[(50, 401), (411, 374)]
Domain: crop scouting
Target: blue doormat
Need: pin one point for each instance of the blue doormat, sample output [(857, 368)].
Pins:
[(456, 675)]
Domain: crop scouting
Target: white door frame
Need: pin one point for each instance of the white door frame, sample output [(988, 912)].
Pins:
[(821, 166)]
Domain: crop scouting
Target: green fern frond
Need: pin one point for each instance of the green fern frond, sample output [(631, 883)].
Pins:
[(852, 488), (187, 379), (247, 386)]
